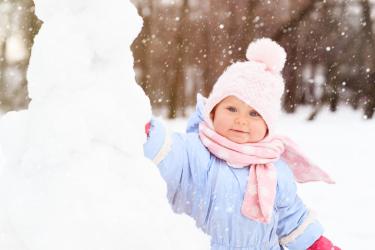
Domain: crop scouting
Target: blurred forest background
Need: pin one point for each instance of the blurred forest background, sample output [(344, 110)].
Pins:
[(186, 44)]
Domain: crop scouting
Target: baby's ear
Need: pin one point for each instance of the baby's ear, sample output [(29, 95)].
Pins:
[(212, 114)]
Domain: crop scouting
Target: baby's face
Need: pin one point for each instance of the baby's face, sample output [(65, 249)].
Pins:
[(238, 122)]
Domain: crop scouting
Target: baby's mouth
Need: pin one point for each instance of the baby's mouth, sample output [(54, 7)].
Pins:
[(239, 131)]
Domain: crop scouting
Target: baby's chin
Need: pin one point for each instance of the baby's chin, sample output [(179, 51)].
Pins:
[(239, 140), (242, 139)]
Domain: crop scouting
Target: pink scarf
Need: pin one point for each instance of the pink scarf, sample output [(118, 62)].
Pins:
[(260, 192)]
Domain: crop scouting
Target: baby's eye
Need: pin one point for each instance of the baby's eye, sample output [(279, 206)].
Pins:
[(253, 113), (231, 109)]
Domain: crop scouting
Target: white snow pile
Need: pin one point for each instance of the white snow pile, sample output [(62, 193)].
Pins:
[(72, 171)]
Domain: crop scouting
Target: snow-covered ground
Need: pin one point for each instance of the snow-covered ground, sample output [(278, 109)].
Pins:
[(343, 144)]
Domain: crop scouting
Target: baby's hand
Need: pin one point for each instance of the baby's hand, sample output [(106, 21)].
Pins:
[(323, 244), (147, 128)]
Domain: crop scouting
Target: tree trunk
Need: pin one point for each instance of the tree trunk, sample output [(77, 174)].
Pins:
[(290, 95), (176, 92), (245, 33), (141, 46), (294, 21), (333, 91), (369, 41)]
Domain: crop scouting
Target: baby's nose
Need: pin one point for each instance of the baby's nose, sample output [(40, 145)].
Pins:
[(241, 121)]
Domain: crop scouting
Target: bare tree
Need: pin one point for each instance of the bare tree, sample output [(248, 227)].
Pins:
[(176, 91), (289, 31), (18, 31), (141, 44), (369, 42)]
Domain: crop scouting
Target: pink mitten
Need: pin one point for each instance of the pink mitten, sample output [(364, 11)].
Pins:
[(323, 244), (147, 128)]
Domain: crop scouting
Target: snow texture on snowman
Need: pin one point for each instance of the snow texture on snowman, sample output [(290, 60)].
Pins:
[(72, 171)]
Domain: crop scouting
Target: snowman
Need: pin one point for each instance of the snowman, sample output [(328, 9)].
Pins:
[(72, 171)]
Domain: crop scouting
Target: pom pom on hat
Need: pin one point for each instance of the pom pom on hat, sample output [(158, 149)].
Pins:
[(266, 51)]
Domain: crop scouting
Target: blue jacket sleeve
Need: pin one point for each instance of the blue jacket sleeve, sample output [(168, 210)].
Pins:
[(297, 227), (182, 161), (158, 140), (197, 116)]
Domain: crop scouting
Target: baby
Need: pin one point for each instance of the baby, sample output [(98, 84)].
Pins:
[(231, 172)]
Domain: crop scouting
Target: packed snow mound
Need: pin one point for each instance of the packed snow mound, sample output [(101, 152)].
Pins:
[(92, 38), (81, 63), (72, 171)]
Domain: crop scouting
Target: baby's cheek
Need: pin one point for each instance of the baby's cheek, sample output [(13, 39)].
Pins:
[(262, 126)]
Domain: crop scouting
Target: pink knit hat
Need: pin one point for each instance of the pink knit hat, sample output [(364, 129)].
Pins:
[(258, 82)]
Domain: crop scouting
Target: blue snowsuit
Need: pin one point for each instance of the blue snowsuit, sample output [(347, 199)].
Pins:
[(209, 190)]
